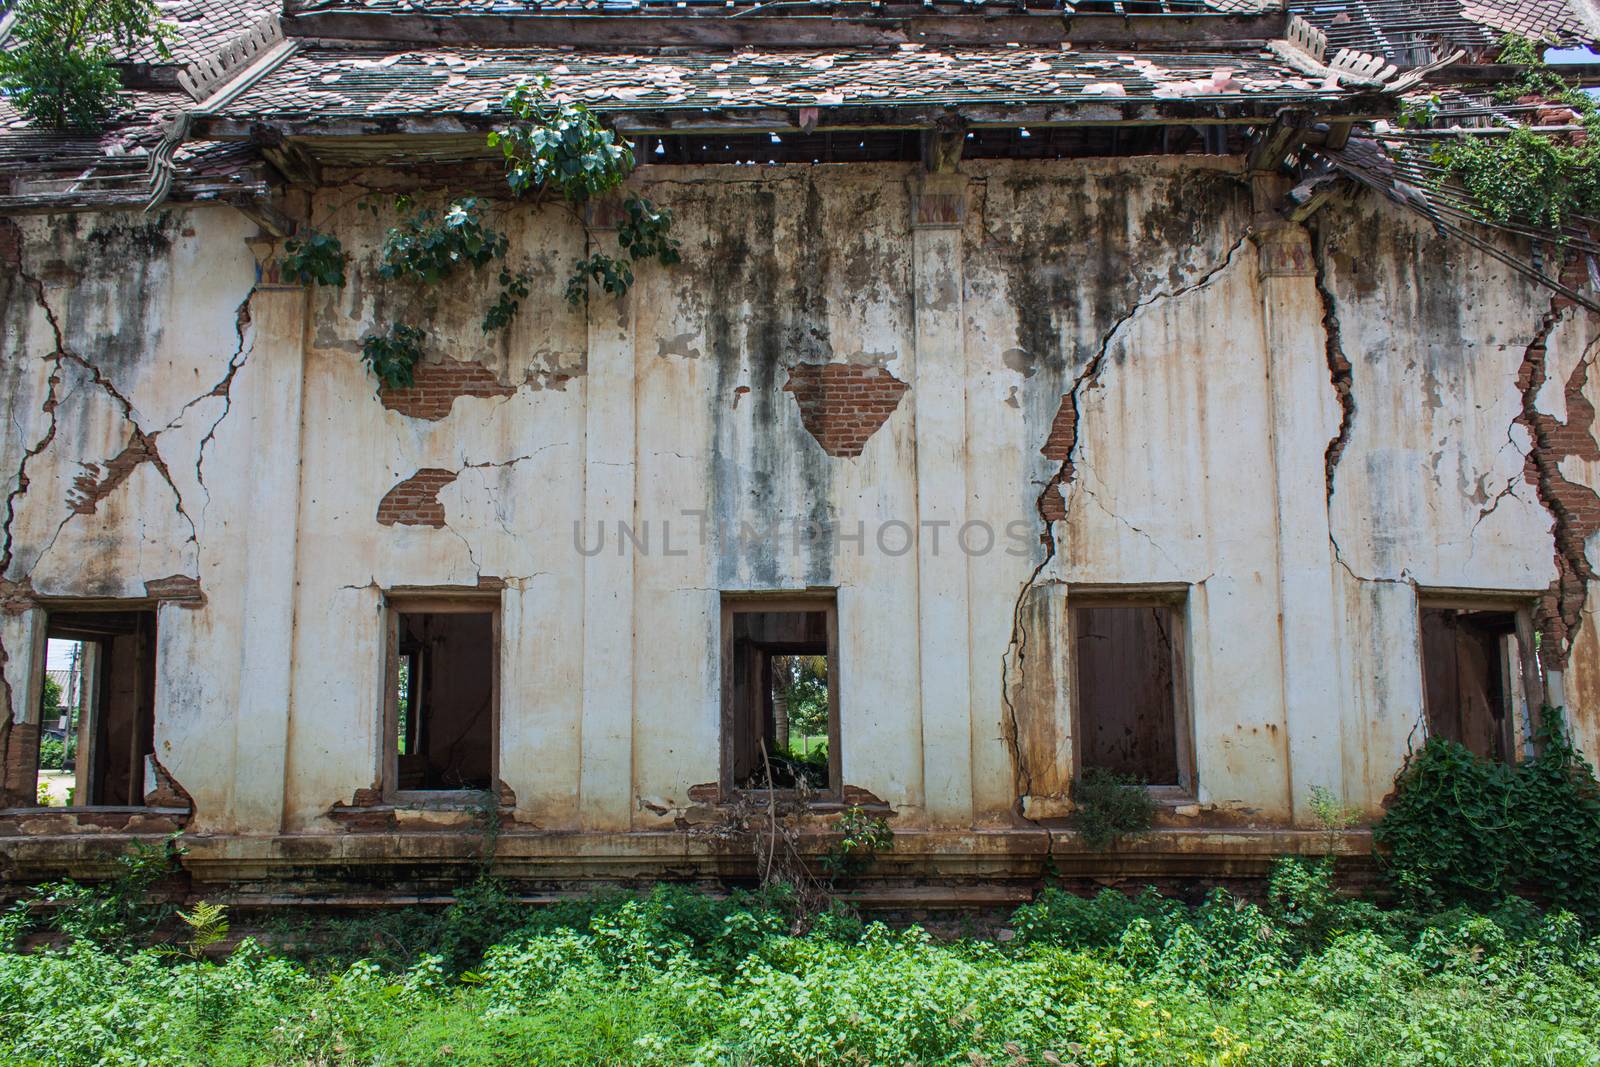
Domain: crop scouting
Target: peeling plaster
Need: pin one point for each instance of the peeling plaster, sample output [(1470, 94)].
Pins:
[(1574, 507)]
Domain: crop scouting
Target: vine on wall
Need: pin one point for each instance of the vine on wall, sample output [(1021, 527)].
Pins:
[(1541, 178), (1464, 830), (554, 151)]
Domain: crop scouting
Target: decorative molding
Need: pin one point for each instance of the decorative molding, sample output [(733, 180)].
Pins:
[(204, 76), (1306, 49), (1306, 37)]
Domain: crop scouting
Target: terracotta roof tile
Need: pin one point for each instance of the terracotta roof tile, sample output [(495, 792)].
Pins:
[(717, 7), (1402, 30), (369, 83), (200, 26)]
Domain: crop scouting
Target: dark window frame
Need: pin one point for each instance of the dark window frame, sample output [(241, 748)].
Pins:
[(1518, 738), (435, 602), (70, 619), (736, 603), (1174, 600)]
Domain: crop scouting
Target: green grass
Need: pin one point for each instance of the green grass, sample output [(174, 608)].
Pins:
[(674, 977)]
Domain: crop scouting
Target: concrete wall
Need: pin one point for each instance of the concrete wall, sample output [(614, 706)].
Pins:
[(907, 375)]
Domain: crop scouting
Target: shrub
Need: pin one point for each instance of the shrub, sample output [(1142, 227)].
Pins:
[(1108, 807), (1470, 831)]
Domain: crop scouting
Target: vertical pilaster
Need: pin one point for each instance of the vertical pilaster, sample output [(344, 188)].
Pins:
[(605, 776), (22, 636), (273, 384), (1304, 417), (939, 389)]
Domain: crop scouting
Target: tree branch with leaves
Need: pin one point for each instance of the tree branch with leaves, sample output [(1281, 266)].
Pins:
[(60, 71)]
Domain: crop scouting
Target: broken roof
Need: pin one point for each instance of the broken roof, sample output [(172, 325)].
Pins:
[(199, 26), (366, 67), (475, 81)]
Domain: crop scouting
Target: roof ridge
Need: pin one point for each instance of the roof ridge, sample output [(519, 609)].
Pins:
[(202, 77)]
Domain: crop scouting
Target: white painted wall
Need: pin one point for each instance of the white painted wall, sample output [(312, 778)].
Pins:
[(1193, 467)]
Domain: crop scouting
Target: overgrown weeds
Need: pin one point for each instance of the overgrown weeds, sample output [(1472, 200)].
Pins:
[(677, 977)]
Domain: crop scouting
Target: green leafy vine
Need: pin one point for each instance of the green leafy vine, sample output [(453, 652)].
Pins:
[(1465, 830), (554, 151), (1535, 177)]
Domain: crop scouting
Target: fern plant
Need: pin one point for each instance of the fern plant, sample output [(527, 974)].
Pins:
[(208, 926)]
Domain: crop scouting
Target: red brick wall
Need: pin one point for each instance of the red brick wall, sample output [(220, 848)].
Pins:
[(1058, 448), (415, 501), (437, 385), (843, 404), (1063, 433)]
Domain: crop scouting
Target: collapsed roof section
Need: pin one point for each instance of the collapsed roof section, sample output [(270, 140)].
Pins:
[(353, 81), (1416, 32)]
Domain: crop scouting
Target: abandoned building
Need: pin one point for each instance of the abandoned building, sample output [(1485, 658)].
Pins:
[(1044, 386)]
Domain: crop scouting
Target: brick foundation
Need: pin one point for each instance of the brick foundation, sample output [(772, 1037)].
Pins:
[(843, 404)]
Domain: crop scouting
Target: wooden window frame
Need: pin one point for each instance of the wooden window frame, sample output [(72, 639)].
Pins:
[(92, 682), (1175, 599), (752, 603), (1520, 606), (434, 602)]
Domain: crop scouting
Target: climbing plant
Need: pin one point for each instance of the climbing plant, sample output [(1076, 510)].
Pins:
[(57, 68), (1464, 830), (554, 151), (1533, 177), (317, 258)]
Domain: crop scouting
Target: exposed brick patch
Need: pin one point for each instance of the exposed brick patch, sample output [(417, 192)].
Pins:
[(1058, 449), (415, 501), (10, 244), (366, 820), (97, 481), (167, 793), (843, 404), (1341, 372), (15, 598), (177, 587), (20, 742), (437, 385), (1574, 507), (1063, 433)]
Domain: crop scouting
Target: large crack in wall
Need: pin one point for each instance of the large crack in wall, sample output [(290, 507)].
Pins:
[(97, 480), (1052, 503), (1341, 373), (1574, 507)]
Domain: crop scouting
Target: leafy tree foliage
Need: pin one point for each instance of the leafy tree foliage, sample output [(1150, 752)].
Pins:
[(58, 71)]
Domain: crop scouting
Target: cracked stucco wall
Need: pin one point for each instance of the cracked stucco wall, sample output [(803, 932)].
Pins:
[(1432, 490), (1128, 292), (127, 336)]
